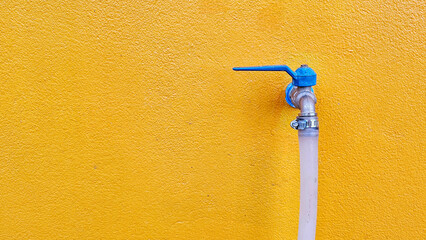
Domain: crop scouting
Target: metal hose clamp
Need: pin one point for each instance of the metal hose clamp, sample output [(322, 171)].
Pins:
[(301, 123)]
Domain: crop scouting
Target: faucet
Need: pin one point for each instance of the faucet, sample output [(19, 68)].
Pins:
[(300, 94)]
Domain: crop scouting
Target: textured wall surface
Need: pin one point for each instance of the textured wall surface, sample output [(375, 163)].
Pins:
[(123, 119)]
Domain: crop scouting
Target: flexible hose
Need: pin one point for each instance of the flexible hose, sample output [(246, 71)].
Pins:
[(308, 147)]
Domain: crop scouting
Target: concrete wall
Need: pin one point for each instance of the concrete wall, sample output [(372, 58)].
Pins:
[(124, 120)]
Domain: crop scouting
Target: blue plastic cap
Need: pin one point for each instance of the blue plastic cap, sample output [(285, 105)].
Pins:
[(305, 77), (287, 94)]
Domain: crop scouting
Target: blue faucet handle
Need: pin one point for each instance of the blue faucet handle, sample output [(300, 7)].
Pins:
[(303, 77), (268, 68)]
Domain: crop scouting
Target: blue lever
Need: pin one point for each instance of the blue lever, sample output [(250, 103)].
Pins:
[(268, 68), (303, 77)]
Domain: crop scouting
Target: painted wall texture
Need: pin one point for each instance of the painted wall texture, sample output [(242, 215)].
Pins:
[(124, 120)]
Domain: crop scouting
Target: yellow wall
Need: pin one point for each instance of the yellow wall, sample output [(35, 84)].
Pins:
[(123, 119)]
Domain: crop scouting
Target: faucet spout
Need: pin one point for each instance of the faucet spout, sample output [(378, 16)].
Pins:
[(307, 106), (304, 99)]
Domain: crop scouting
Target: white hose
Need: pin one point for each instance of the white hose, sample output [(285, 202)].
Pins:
[(308, 147)]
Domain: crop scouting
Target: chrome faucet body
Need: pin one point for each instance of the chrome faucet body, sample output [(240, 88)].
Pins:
[(304, 99)]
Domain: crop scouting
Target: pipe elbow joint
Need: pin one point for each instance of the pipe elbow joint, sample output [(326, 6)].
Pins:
[(304, 99)]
